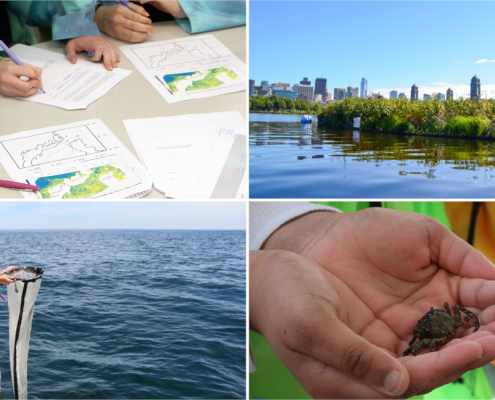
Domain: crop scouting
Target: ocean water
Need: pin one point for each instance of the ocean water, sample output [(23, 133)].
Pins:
[(132, 313)]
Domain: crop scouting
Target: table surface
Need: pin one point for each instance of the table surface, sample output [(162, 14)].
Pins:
[(141, 99)]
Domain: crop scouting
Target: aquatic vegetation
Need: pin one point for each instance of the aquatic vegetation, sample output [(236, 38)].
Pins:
[(464, 117)]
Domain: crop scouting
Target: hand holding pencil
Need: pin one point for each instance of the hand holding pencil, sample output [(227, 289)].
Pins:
[(11, 84), (127, 21)]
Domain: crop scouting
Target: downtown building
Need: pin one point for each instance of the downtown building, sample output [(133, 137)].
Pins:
[(364, 88), (393, 94), (306, 91), (305, 82), (450, 94), (339, 94), (288, 94), (352, 92), (321, 87), (414, 92), (475, 88), (251, 87)]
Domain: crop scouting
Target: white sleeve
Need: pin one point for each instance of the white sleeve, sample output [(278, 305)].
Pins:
[(266, 217)]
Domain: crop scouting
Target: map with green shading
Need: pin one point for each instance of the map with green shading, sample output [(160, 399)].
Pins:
[(199, 80), (80, 184)]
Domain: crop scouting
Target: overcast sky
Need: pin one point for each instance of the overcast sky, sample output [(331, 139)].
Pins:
[(393, 44), (122, 215)]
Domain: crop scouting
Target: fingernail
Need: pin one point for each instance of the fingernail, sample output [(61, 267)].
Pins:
[(393, 382), (72, 60)]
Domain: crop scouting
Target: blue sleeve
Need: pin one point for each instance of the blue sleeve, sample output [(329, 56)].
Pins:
[(67, 19), (204, 15)]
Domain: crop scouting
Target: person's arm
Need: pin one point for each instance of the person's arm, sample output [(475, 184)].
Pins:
[(196, 16)]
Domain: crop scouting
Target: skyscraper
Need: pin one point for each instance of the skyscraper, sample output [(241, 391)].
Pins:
[(321, 87), (305, 82), (475, 88), (393, 94), (338, 94), (352, 92), (414, 92), (450, 94), (364, 88), (251, 87)]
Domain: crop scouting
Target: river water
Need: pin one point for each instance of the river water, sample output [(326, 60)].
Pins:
[(293, 160)]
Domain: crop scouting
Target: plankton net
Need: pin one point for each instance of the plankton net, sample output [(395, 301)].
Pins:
[(22, 295)]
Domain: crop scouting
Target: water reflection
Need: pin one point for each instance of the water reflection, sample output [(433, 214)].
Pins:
[(377, 147), (283, 149)]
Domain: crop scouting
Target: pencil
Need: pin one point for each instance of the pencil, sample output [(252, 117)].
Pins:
[(11, 54)]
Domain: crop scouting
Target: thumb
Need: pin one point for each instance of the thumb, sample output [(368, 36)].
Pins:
[(336, 345)]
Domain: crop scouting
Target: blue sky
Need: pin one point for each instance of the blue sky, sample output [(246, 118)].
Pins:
[(393, 44), (122, 215)]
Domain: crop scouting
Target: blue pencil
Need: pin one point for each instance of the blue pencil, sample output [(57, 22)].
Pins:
[(125, 4)]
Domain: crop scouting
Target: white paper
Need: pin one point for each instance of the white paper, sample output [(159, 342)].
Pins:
[(197, 156), (79, 160), (188, 68), (69, 86)]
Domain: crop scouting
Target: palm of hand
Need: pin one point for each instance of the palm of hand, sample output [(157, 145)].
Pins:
[(390, 265), (385, 267)]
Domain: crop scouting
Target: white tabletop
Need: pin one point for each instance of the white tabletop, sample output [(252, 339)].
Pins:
[(134, 97)]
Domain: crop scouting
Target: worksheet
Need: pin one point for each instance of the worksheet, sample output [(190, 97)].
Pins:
[(66, 85), (75, 161), (189, 68), (196, 156)]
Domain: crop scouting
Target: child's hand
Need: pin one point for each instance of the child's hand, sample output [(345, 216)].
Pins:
[(101, 46), (11, 83), (121, 23)]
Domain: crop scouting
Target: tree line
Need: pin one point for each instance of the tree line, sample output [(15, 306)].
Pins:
[(283, 104)]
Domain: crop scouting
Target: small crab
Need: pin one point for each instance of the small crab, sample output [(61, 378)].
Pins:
[(437, 326)]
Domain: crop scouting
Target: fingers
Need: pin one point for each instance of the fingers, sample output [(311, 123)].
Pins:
[(479, 293), (324, 382), (71, 50), (109, 57), (455, 255), (141, 11), (337, 346), (431, 370), (102, 49), (134, 36)]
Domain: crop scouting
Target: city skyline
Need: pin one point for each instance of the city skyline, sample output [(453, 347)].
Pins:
[(395, 66)]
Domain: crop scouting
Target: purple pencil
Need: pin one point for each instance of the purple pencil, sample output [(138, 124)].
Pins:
[(13, 56)]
